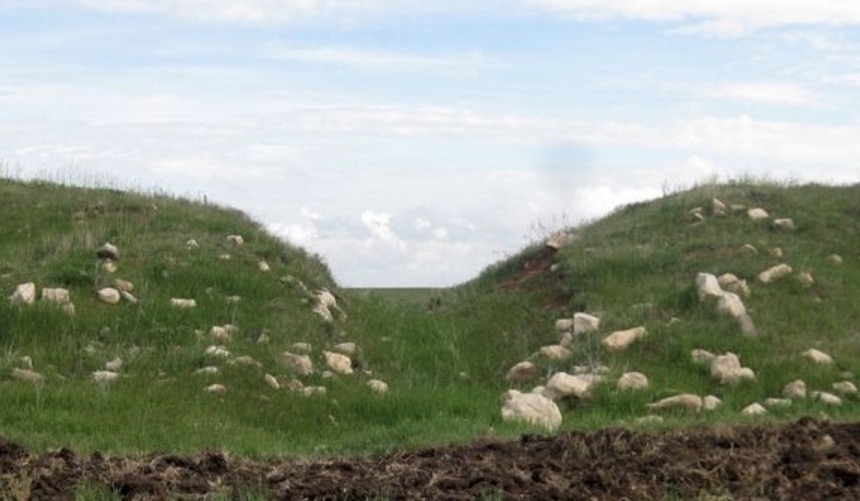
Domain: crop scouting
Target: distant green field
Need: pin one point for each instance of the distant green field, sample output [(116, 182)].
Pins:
[(422, 296)]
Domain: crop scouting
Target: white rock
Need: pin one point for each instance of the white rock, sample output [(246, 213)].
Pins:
[(748, 250), (104, 376), (323, 311), (109, 266), (219, 333), (378, 386), (225, 257), (300, 365), (566, 339), (27, 375), (347, 349), (183, 302), (584, 323), (805, 279), (217, 351), (727, 369), (621, 340), (233, 299), (215, 388), (114, 365), (272, 381), (632, 381), (532, 408), (338, 362), (263, 338), (245, 361), (554, 352), (236, 240), (718, 208), (817, 356), (755, 409), (835, 259), (522, 372), (301, 348), (685, 401), (703, 357), (109, 295), (708, 286), (776, 253), (56, 295), (757, 214), (560, 239), (191, 243), (264, 267), (123, 285), (785, 223), (310, 391), (562, 384), (26, 361), (563, 325), (777, 402), (108, 251), (731, 304), (845, 388), (711, 403), (826, 398), (774, 273), (649, 419), (128, 296), (209, 370), (795, 390)]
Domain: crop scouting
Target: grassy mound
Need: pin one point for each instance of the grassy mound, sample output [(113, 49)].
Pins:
[(444, 358)]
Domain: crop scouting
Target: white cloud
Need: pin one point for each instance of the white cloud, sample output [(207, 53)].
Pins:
[(421, 224), (725, 17), (379, 226), (380, 59), (776, 93)]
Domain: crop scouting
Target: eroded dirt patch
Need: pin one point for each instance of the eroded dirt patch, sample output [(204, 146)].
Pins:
[(807, 460)]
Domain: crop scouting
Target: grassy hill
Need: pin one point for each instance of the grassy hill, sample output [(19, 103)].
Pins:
[(445, 365)]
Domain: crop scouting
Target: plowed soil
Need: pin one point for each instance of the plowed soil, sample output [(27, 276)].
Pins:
[(803, 460)]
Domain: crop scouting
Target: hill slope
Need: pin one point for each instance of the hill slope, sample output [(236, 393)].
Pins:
[(445, 365)]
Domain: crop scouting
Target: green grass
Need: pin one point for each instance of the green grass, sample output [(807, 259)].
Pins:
[(445, 364)]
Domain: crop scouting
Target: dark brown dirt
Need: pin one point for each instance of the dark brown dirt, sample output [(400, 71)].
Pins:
[(804, 460)]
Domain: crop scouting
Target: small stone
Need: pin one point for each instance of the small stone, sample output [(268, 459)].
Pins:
[(215, 388), (826, 398), (702, 357), (632, 381), (217, 351), (785, 224), (338, 362), (718, 208), (522, 372), (245, 361), (272, 381), (378, 386), (236, 240), (264, 267), (532, 408), (805, 279), (104, 376), (777, 402), (708, 286), (209, 370), (835, 259), (300, 365), (263, 339), (776, 253), (56, 295), (845, 388), (114, 365), (109, 295), (620, 340), (123, 285), (730, 304), (183, 303), (347, 349), (219, 333), (774, 273), (748, 250), (563, 325), (109, 266), (817, 356), (561, 385), (301, 348), (27, 375), (584, 323), (554, 352), (711, 403), (128, 296), (24, 294), (649, 419), (310, 391), (685, 401), (225, 257), (233, 299), (757, 214), (795, 390), (755, 409), (191, 243), (108, 251)]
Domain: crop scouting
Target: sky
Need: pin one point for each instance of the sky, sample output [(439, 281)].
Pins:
[(415, 143)]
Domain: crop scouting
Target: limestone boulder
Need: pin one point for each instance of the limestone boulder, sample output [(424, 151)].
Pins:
[(532, 408), (28, 376), (378, 386), (562, 385), (795, 390), (584, 323), (523, 372), (299, 365), (845, 388), (774, 273), (755, 409), (785, 224), (272, 381), (757, 214), (56, 295), (104, 376), (727, 369), (554, 352), (632, 381), (817, 356), (685, 401), (711, 403), (109, 295), (338, 362), (620, 340), (24, 294), (730, 304), (183, 303), (708, 286), (702, 357), (826, 398)]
